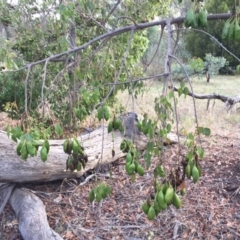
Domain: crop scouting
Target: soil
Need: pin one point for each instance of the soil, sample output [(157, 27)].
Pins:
[(210, 209)]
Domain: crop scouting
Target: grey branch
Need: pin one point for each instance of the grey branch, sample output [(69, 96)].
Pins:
[(229, 101), (119, 31)]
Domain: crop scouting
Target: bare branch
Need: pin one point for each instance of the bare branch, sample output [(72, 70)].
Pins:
[(125, 17), (176, 41), (169, 52), (191, 87), (212, 96), (26, 89), (43, 84), (121, 67), (158, 45), (138, 79), (211, 36), (112, 10), (229, 101)]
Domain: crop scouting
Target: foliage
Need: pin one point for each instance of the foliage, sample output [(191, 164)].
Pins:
[(203, 44), (49, 28), (196, 66), (81, 81), (99, 192), (29, 143), (214, 64), (167, 184), (196, 16)]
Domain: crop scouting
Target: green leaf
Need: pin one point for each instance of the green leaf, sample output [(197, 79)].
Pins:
[(28, 137), (200, 152), (98, 197), (17, 132), (185, 91), (199, 130), (103, 12), (206, 131), (90, 6), (58, 130), (91, 196), (8, 130), (189, 156), (150, 146), (191, 136), (151, 132), (171, 94), (36, 134), (79, 166), (238, 69), (47, 145), (43, 153), (14, 138), (169, 128), (47, 133), (31, 149), (182, 84), (180, 91), (108, 190), (147, 156), (100, 113), (105, 191), (159, 171)]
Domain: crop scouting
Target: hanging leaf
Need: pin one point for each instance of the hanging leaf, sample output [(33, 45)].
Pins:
[(206, 131), (147, 156), (58, 130)]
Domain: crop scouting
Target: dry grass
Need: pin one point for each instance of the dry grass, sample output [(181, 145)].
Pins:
[(215, 118)]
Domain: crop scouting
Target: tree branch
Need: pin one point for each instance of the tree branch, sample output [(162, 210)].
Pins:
[(229, 101), (119, 31), (212, 38), (112, 10)]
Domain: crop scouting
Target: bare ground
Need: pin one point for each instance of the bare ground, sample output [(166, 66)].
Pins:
[(210, 209)]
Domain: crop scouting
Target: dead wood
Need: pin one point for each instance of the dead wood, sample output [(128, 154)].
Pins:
[(31, 216), (98, 146), (229, 101)]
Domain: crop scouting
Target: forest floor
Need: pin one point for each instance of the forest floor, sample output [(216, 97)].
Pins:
[(210, 209)]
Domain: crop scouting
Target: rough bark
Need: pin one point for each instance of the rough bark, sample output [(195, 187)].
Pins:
[(31, 216), (98, 146)]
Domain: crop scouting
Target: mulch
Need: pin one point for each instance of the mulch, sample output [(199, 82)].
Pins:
[(210, 209)]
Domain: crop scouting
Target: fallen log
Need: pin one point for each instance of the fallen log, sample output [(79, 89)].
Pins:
[(98, 146), (29, 209), (31, 216)]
